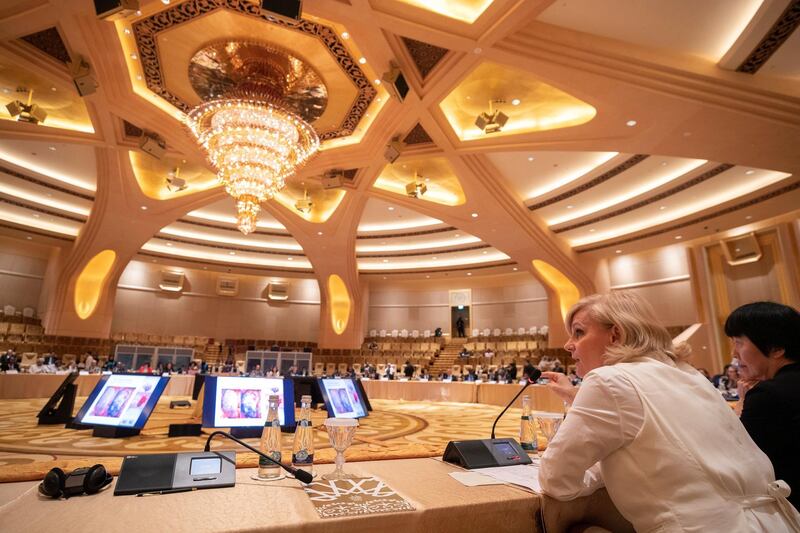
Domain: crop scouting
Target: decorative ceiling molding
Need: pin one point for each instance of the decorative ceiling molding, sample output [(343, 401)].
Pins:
[(213, 244), (40, 209), (418, 135), (437, 270), (49, 41), (407, 234), (731, 209), (42, 183), (30, 231), (605, 176), (682, 187), (255, 268), (775, 37), (232, 229), (147, 29), (433, 251), (426, 56)]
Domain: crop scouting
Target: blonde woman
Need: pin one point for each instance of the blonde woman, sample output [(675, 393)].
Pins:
[(644, 423)]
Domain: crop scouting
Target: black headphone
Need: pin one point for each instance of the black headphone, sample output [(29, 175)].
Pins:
[(87, 479)]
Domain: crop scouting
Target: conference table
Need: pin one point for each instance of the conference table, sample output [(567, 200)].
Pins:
[(20, 386), (440, 504)]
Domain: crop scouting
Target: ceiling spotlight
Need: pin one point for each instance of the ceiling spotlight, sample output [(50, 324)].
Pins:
[(305, 204), (494, 120), (515, 101), (174, 182), (531, 158), (395, 82), (630, 123), (345, 35), (390, 208), (678, 237), (362, 60), (618, 251), (474, 215), (29, 112), (415, 188), (750, 172), (469, 273)]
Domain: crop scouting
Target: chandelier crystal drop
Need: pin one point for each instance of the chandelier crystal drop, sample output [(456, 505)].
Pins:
[(253, 145)]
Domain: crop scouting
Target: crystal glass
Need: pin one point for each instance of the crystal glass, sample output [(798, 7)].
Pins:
[(549, 424), (340, 432)]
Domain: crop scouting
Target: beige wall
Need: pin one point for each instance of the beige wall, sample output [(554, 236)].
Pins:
[(22, 268), (142, 308), (661, 276), (507, 301)]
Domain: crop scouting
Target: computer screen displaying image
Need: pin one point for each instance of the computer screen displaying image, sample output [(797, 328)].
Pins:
[(231, 402), (343, 398), (122, 400)]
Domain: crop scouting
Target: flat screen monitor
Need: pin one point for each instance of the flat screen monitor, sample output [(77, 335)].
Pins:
[(343, 398), (236, 402), (122, 400), (58, 394), (307, 385)]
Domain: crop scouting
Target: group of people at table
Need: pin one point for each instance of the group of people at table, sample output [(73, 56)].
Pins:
[(661, 438)]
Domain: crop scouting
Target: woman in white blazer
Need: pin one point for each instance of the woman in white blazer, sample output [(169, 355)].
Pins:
[(644, 423)]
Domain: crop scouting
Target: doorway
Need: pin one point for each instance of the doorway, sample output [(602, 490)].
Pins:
[(459, 312)]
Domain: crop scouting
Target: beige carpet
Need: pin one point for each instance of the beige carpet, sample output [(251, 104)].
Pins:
[(395, 429)]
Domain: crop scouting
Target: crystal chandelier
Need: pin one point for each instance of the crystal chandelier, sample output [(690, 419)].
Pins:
[(247, 127)]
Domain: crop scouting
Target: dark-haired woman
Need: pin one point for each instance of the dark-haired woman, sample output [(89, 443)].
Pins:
[(766, 340)]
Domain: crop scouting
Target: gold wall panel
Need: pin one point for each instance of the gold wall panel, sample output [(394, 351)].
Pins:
[(338, 303), (91, 283)]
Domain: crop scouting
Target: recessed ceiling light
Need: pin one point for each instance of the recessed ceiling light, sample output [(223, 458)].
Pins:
[(391, 208), (134, 56), (570, 206), (385, 260), (630, 123), (663, 163), (458, 235), (29, 237), (166, 2), (231, 253), (51, 148), (205, 268), (618, 251), (738, 250), (515, 269), (139, 77), (127, 31), (143, 208), (384, 277), (687, 133), (377, 82), (748, 217), (290, 258), (53, 89), (427, 276), (362, 60), (434, 258), (469, 273), (474, 215), (478, 50), (515, 101), (319, 233), (36, 215), (592, 230), (531, 158), (662, 208), (678, 237), (750, 172), (169, 244), (345, 35), (484, 252)]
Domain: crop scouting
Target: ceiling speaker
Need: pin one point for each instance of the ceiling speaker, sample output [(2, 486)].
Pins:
[(288, 9), (115, 9)]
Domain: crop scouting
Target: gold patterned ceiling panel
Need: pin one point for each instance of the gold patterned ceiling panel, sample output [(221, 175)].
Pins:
[(530, 104), (168, 39), (464, 10), (156, 177), (323, 202)]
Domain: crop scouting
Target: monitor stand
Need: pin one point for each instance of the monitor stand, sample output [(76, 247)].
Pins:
[(74, 424), (62, 413), (247, 433), (113, 432)]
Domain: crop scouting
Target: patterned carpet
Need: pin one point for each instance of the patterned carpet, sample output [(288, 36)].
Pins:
[(394, 429)]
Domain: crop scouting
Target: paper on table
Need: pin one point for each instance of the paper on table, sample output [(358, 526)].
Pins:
[(522, 475), (474, 479)]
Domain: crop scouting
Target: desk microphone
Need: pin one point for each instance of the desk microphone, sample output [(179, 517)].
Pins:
[(536, 374), (298, 473)]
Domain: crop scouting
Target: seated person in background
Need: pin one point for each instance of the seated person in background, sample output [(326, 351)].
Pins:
[(766, 341), (546, 364), (274, 373), (372, 347), (437, 332), (464, 352), (502, 375), (203, 367), (292, 370), (423, 374), (729, 380), (228, 367), (38, 367), (511, 372), (408, 370), (390, 371), (170, 368), (443, 376), (193, 369), (4, 361), (50, 359), (109, 366), (639, 398), (89, 361), (367, 370), (159, 369), (489, 353), (528, 369), (256, 371), (145, 368), (71, 367), (471, 375), (573, 377)]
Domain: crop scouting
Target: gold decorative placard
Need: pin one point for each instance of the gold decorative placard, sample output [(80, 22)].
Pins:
[(352, 497)]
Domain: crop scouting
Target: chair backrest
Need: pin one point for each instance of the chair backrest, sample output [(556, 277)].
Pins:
[(544, 330), (373, 333), (394, 333), (28, 312), (520, 331), (9, 310), (357, 368), (330, 368), (496, 332), (475, 332), (415, 334), (404, 333), (533, 331), (319, 368), (455, 370), (486, 332), (426, 333), (381, 368), (383, 333), (28, 358), (68, 358), (342, 368), (509, 331)]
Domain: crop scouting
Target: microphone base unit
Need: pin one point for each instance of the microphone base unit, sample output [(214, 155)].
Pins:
[(485, 453)]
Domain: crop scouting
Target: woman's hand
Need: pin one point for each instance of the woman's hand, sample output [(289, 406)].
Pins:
[(743, 386), (561, 385)]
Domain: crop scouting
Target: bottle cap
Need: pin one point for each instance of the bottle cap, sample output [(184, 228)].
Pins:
[(274, 398), (305, 398)]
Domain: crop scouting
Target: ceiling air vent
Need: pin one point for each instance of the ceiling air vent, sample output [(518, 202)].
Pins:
[(227, 286), (278, 291), (171, 281)]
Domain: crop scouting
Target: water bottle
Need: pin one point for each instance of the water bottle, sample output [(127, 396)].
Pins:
[(303, 449), (271, 441), (527, 428)]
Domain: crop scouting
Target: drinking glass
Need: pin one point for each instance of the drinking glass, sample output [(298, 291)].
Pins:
[(340, 432), (549, 424)]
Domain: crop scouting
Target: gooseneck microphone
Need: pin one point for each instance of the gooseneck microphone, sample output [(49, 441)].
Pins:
[(298, 473), (536, 374)]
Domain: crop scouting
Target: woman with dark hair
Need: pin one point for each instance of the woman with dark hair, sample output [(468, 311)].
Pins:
[(766, 340)]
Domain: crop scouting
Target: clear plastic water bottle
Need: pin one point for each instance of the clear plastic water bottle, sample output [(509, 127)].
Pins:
[(527, 427), (303, 449), (271, 441)]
